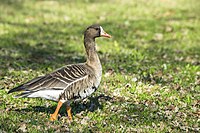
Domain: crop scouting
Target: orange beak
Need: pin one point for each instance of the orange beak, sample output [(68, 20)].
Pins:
[(104, 34)]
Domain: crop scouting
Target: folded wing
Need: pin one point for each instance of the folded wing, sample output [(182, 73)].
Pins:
[(52, 85)]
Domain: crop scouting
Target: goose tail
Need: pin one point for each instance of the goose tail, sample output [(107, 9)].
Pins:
[(19, 88)]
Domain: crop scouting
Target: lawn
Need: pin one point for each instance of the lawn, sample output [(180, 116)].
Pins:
[(151, 66)]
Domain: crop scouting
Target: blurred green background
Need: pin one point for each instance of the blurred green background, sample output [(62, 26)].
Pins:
[(151, 66)]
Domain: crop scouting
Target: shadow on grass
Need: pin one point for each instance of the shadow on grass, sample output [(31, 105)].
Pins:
[(40, 45), (91, 104)]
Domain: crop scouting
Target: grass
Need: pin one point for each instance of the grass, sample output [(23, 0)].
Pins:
[(151, 66)]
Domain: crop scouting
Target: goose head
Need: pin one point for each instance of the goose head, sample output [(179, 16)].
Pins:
[(95, 31)]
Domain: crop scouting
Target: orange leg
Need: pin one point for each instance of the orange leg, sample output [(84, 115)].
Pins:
[(69, 112), (55, 114)]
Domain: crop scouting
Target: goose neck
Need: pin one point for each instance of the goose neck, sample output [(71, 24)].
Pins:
[(90, 47)]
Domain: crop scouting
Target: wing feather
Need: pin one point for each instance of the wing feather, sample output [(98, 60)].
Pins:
[(61, 79)]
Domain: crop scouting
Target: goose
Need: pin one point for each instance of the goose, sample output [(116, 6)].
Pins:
[(72, 82)]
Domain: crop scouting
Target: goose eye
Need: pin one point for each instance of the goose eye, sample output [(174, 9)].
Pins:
[(96, 28)]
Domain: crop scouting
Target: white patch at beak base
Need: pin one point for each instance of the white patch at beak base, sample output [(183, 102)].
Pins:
[(103, 33)]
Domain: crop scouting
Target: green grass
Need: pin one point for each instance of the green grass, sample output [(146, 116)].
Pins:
[(151, 66)]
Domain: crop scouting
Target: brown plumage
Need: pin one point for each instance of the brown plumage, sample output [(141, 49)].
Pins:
[(71, 82)]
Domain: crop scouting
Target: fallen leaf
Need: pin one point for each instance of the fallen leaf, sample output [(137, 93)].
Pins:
[(176, 109), (158, 37), (117, 92), (109, 72), (168, 29), (84, 121), (134, 79), (22, 128)]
